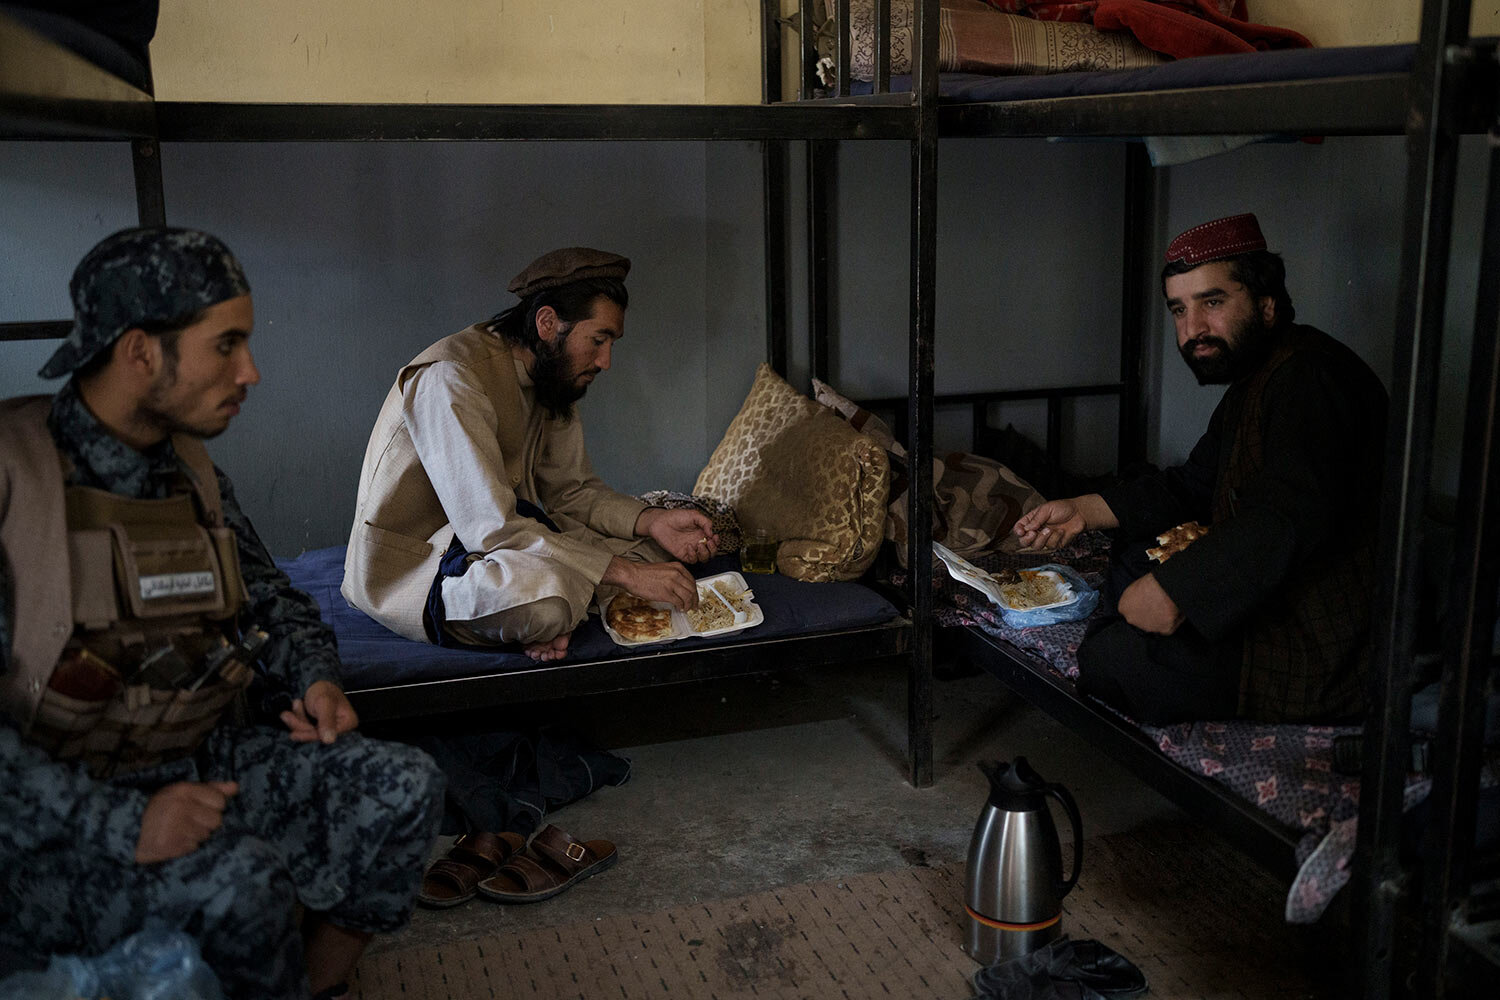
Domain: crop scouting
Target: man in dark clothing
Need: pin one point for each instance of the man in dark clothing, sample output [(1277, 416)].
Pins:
[(1266, 616)]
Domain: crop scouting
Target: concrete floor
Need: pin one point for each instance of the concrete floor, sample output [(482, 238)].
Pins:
[(745, 785)]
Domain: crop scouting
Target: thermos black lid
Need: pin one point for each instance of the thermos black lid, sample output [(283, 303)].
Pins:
[(1015, 787)]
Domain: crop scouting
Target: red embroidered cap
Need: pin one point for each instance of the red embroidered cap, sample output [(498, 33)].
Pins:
[(1217, 240)]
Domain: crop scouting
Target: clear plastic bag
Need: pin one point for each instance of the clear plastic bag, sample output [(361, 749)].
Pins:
[(1084, 599), (153, 964)]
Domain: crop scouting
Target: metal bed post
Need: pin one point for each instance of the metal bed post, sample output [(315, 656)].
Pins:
[(882, 83), (773, 153), (1458, 750), (842, 71), (820, 156), (1432, 154), (924, 150), (821, 159), (1139, 211), (807, 44), (773, 169), (145, 161), (150, 200)]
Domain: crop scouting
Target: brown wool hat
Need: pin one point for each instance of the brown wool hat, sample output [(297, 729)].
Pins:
[(1217, 240), (565, 266)]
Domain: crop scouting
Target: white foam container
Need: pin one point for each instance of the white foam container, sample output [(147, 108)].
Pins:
[(966, 572), (680, 627)]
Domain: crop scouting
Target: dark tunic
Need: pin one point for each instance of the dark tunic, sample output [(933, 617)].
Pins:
[(1288, 475)]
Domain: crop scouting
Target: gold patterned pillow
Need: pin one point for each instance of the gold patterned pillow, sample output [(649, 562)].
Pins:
[(788, 465), (976, 500)]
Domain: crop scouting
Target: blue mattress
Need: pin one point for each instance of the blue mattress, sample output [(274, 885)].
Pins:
[(374, 656), (1202, 71)]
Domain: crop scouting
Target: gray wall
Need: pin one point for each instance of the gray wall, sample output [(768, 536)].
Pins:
[(1030, 235), (361, 254), (1334, 211)]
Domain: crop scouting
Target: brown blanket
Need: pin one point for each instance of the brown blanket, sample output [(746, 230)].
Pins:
[(975, 38)]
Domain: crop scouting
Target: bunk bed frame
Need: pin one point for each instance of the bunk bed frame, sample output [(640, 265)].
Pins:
[(45, 93), (1450, 907)]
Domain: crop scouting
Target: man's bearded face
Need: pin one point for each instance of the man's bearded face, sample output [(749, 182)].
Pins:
[(1217, 360), (560, 381), (1222, 330), (206, 375), (566, 365)]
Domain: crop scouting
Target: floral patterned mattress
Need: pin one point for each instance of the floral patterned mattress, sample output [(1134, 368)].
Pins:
[(1285, 770)]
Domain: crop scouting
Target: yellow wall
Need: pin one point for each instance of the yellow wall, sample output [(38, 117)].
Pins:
[(1350, 22), (563, 51), (483, 51)]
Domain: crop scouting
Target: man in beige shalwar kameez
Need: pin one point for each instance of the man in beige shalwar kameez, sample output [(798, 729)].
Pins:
[(477, 448)]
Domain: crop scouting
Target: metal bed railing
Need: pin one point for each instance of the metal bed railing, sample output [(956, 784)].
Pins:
[(1436, 895), (42, 106), (1452, 88), (1450, 906)]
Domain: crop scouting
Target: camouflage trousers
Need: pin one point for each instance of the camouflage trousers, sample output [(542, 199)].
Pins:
[(343, 829)]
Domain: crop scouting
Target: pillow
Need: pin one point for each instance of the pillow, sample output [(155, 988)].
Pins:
[(818, 485), (976, 499)]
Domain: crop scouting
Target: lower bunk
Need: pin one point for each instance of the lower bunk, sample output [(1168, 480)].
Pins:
[(390, 677), (1275, 791)]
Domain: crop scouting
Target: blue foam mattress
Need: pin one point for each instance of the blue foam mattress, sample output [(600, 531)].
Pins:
[(374, 656)]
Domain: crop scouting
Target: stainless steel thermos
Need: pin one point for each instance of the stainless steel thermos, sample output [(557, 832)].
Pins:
[(1015, 879)]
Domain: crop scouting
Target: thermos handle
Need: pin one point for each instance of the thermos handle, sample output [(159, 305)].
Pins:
[(1065, 797)]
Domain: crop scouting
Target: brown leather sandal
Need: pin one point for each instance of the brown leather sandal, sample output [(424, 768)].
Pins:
[(552, 862), (451, 879)]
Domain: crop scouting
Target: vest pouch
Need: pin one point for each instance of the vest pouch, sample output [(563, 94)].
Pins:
[(91, 563), (63, 723), (227, 547), (169, 571), (138, 727)]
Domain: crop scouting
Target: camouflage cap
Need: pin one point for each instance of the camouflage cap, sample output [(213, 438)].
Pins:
[(565, 266), (143, 276)]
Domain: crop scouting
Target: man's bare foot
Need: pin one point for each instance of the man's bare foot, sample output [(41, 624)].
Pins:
[(552, 649)]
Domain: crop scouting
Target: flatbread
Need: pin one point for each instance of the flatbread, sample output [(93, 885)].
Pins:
[(637, 620), (1174, 541)]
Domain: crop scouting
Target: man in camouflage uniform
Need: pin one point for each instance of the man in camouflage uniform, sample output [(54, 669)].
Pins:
[(224, 842)]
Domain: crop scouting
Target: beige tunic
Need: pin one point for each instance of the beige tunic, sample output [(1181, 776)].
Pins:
[(458, 439)]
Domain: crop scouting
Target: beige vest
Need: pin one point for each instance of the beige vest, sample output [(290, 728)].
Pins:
[(400, 531), (49, 601)]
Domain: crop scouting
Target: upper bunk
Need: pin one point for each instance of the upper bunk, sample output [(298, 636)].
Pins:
[(1005, 75), (49, 92), (46, 91)]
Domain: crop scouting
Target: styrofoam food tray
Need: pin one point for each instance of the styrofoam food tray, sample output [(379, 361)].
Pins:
[(966, 572), (680, 627)]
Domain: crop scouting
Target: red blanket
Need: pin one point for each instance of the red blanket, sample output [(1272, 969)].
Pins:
[(1178, 28)]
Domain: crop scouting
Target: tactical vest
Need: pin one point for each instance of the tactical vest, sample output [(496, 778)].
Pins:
[(149, 669)]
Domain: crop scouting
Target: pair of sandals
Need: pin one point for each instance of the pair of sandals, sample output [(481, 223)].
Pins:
[(504, 868)]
